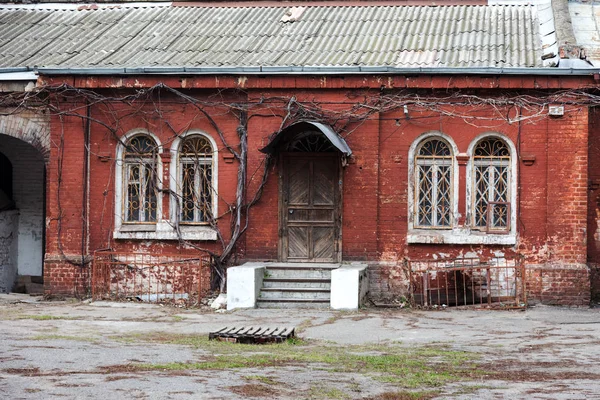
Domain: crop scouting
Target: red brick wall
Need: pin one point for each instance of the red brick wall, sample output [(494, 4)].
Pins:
[(563, 286), (552, 205), (65, 183)]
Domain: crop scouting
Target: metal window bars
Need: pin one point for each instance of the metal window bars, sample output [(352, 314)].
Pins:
[(491, 185), (171, 278), (433, 185), (496, 283), (140, 180), (196, 180)]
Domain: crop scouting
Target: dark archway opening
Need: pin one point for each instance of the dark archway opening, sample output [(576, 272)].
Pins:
[(22, 215)]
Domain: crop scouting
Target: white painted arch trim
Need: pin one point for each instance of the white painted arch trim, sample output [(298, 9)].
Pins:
[(192, 232), (146, 230), (411, 176), (513, 180)]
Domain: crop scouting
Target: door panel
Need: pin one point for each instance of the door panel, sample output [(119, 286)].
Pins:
[(310, 204), (324, 186), (298, 242), (323, 242), (299, 183)]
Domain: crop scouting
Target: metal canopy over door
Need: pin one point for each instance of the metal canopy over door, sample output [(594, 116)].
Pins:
[(310, 207)]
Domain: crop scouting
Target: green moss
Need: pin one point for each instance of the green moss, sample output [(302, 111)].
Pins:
[(46, 317), (413, 367), (66, 337), (262, 379)]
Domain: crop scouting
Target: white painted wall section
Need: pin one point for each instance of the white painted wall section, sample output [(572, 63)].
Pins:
[(9, 225), (244, 284), (349, 286)]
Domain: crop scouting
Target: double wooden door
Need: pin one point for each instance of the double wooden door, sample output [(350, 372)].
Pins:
[(310, 206)]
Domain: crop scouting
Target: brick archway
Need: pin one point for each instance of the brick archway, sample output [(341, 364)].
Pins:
[(29, 127)]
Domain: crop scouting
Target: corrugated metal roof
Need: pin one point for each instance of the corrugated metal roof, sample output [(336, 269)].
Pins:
[(392, 36)]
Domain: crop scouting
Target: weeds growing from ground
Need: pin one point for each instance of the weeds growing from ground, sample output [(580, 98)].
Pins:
[(407, 367)]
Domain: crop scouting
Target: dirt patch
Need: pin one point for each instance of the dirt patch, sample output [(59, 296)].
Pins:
[(254, 390), (405, 396), (515, 371), (113, 378), (23, 371)]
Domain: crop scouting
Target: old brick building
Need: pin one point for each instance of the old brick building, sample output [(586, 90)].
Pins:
[(371, 133)]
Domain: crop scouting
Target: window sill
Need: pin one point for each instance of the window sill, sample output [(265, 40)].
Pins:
[(459, 236), (164, 231)]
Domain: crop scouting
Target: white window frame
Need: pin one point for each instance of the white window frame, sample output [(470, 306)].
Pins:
[(512, 186), (134, 229), (462, 234), (434, 164), (192, 230), (412, 182)]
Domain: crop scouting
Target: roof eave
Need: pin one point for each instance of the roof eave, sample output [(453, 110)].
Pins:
[(311, 70)]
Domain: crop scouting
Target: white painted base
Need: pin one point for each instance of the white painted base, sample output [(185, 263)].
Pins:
[(244, 284), (349, 286), (459, 236)]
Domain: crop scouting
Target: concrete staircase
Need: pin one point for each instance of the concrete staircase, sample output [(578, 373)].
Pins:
[(296, 285)]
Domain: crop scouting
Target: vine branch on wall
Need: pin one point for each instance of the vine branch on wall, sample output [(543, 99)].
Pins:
[(346, 116)]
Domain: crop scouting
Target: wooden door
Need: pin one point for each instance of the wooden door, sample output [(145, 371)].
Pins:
[(310, 208)]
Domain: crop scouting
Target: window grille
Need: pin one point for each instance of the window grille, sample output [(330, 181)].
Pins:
[(196, 171), (491, 185), (140, 180), (433, 184)]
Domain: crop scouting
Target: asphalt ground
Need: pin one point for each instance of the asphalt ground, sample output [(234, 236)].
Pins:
[(82, 350)]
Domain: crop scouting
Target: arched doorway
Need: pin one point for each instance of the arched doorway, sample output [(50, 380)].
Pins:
[(22, 215), (310, 192)]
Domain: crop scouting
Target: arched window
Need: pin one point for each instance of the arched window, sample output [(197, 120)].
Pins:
[(196, 180), (433, 178), (140, 174), (491, 185)]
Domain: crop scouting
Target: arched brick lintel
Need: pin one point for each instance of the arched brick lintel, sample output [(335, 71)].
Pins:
[(30, 127)]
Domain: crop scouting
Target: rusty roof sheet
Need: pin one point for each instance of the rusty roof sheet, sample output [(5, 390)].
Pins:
[(366, 36)]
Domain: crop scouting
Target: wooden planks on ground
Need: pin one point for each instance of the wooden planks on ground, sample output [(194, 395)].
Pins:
[(252, 334)]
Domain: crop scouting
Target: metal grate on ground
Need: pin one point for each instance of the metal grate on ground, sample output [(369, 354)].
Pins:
[(495, 283), (257, 335)]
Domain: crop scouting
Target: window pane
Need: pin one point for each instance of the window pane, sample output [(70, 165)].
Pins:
[(481, 189), (443, 196), (196, 179), (206, 193), (188, 193), (133, 193), (433, 192), (491, 167), (425, 196), (140, 145), (150, 203)]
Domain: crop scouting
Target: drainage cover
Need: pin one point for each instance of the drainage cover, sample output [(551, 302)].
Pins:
[(252, 334)]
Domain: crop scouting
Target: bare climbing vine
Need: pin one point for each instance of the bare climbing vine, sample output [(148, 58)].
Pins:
[(148, 104)]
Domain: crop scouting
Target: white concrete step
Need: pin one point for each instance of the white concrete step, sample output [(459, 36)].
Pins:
[(296, 285), (294, 293), (291, 303), (297, 272), (288, 283)]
